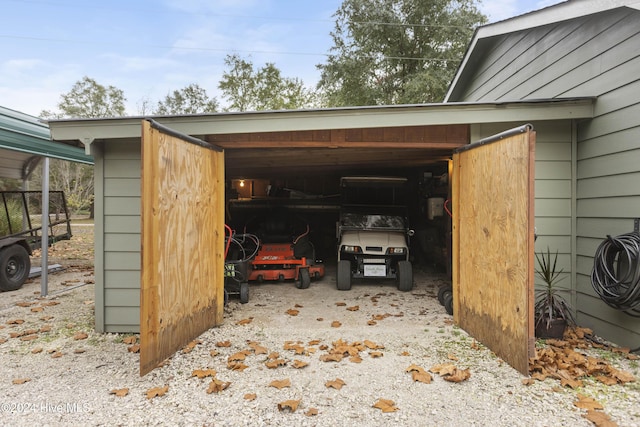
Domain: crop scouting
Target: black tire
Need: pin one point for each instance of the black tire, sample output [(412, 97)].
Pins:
[(448, 303), (15, 266), (343, 278), (405, 276), (442, 291), (304, 281), (244, 293), (226, 297)]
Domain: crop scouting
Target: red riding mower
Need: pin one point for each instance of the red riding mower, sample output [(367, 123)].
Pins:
[(285, 252)]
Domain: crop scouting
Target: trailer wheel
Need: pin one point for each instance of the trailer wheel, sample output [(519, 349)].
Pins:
[(15, 266), (304, 280), (405, 276), (343, 279), (244, 293), (442, 292)]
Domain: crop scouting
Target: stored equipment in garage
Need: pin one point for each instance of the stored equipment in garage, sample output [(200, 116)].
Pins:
[(373, 232), (285, 251)]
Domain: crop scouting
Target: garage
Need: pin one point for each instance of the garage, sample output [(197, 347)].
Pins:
[(304, 153)]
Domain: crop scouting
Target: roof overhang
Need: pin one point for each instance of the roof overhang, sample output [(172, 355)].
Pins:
[(260, 144), (24, 140)]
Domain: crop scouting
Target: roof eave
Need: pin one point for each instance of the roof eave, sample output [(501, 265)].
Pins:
[(89, 130)]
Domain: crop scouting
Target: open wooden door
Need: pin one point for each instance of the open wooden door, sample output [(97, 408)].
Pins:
[(493, 238), (182, 277)]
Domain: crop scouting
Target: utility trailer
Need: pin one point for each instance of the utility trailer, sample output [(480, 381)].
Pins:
[(21, 231)]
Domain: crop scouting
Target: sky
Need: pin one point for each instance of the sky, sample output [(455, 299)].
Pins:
[(149, 48)]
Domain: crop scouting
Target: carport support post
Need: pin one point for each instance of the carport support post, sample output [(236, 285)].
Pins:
[(45, 229)]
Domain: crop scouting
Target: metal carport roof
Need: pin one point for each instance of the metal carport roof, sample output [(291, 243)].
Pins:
[(24, 140)]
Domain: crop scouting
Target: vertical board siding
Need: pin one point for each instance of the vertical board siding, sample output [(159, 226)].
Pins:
[(121, 238)]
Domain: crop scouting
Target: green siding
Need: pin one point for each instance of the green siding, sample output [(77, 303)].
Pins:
[(121, 236)]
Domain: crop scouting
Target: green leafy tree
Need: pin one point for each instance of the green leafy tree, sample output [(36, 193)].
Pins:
[(396, 51), (249, 89), (191, 99), (88, 99)]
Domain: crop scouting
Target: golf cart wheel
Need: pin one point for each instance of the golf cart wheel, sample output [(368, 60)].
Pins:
[(15, 266), (405, 276), (448, 303), (343, 279), (244, 292), (442, 292), (305, 279)]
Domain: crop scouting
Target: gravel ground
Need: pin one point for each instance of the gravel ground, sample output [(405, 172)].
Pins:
[(72, 373)]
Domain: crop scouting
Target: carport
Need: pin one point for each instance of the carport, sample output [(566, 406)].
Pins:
[(24, 142), (312, 145)]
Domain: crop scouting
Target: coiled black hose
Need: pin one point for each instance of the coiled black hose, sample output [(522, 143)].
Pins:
[(616, 272)]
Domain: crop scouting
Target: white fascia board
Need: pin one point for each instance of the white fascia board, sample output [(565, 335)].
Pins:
[(364, 117)]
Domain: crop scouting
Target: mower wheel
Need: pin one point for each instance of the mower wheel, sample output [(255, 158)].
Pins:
[(405, 276), (260, 279), (244, 293), (226, 297), (442, 292), (280, 278), (448, 303), (305, 280), (343, 279)]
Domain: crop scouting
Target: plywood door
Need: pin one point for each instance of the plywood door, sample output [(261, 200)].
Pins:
[(493, 237), (182, 279)]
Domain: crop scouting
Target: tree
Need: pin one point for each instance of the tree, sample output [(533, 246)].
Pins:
[(396, 51), (248, 89), (191, 99), (88, 99)]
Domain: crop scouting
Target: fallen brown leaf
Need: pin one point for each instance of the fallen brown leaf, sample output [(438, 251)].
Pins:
[(236, 366), (37, 309), (20, 380), (274, 363), (244, 321), (216, 386), (130, 340), (311, 412), (15, 322), (385, 405), (120, 392), (588, 403), (28, 338), (157, 391), (223, 344), (203, 373), (56, 355), (298, 364), (236, 357), (372, 322), (250, 396), (280, 384), (341, 304), (37, 350), (79, 350), (353, 308), (289, 404), (292, 312), (134, 348), (214, 353), (25, 304), (337, 384), (600, 419), (335, 324), (376, 354), (80, 336), (45, 328)]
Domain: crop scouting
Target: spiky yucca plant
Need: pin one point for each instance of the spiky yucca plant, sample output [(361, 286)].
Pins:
[(550, 305)]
